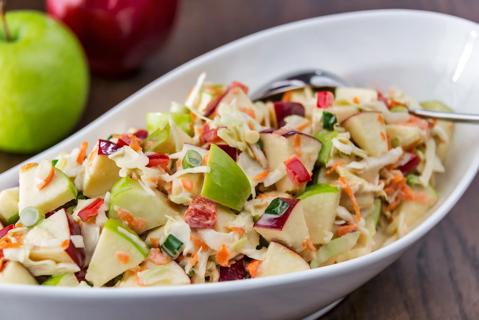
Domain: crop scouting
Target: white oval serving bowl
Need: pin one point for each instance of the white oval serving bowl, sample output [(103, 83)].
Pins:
[(429, 55)]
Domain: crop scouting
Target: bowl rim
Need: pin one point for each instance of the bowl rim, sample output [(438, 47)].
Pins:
[(251, 284)]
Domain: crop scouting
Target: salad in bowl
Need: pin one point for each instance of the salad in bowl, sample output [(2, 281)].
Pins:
[(224, 188)]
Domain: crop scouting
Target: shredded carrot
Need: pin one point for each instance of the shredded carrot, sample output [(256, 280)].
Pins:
[(303, 125), (82, 154), (137, 224), (250, 112), (48, 178), (398, 186), (342, 230), (297, 145), (261, 176), (122, 257), (135, 143), (205, 159), (356, 100), (383, 136), (194, 258), (253, 268), (155, 242), (65, 244), (28, 166), (308, 245), (381, 119), (223, 256), (334, 167), (157, 257), (417, 122), (251, 125), (349, 192), (197, 242), (287, 96), (187, 184), (238, 230), (8, 243)]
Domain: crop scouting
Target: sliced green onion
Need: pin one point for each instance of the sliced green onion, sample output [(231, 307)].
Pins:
[(329, 120), (13, 219), (399, 109), (395, 142), (172, 246), (277, 207), (54, 162), (191, 159), (30, 216), (413, 180)]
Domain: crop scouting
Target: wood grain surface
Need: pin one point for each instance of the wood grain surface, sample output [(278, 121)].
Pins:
[(438, 278)]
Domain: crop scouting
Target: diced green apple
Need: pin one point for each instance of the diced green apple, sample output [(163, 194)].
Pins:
[(58, 192), (343, 112), (336, 247), (101, 173), (226, 183), (368, 131), (280, 260), (8, 205), (288, 226), (319, 205), (55, 228), (156, 275), (161, 140), (356, 95), (159, 120), (403, 135), (118, 249), (148, 208), (62, 280), (15, 273), (279, 148)]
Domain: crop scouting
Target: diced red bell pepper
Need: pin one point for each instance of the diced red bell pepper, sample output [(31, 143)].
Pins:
[(158, 160), (201, 213), (5, 230), (90, 211), (209, 135), (296, 171), (324, 99)]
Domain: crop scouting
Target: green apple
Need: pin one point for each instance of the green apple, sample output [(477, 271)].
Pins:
[(368, 131), (118, 250), (226, 183), (280, 260), (15, 273), (224, 218), (159, 120), (101, 173), (161, 140), (319, 206), (336, 247), (9, 205), (62, 280), (343, 112), (373, 215), (150, 209), (43, 82), (326, 139), (58, 192), (413, 212), (155, 275)]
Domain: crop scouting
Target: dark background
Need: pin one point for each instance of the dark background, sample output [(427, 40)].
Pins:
[(438, 278)]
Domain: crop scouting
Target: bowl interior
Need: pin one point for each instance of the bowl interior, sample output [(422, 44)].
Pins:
[(430, 56)]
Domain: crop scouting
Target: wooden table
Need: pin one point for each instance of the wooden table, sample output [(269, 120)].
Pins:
[(438, 278)]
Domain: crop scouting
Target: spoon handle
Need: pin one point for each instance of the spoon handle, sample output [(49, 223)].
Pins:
[(451, 116)]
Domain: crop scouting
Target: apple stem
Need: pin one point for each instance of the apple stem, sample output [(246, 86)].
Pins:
[(6, 31)]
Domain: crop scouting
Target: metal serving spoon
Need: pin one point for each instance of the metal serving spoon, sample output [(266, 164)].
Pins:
[(320, 79)]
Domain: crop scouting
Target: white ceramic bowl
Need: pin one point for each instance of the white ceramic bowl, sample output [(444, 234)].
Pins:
[(429, 55)]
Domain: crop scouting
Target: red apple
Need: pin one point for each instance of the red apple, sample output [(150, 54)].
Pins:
[(284, 109), (117, 35), (236, 271)]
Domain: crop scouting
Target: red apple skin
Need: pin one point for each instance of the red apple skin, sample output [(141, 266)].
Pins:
[(117, 35), (277, 222), (77, 254)]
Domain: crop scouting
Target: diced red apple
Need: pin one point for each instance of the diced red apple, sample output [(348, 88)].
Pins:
[(288, 226), (100, 171), (284, 109), (280, 260), (404, 135), (368, 131)]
